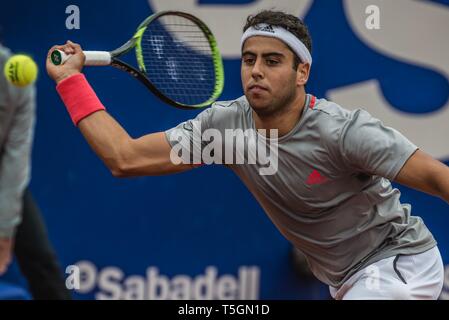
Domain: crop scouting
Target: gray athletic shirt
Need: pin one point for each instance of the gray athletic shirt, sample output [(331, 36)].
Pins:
[(17, 118), (331, 196)]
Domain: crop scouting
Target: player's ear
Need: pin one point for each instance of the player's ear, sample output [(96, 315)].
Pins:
[(302, 74)]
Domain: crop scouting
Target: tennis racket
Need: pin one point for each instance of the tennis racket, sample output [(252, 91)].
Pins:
[(177, 59)]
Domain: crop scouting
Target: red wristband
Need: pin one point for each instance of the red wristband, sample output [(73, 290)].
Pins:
[(79, 97)]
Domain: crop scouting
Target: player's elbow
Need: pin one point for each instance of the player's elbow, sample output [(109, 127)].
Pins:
[(121, 168), (118, 172), (127, 167), (121, 162), (117, 168), (118, 165), (128, 161)]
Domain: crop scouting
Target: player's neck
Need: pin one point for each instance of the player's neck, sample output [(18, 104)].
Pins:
[(283, 121)]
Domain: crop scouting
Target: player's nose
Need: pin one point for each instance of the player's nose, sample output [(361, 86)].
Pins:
[(257, 70)]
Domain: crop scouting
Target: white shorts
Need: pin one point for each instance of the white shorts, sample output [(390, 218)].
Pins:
[(402, 277)]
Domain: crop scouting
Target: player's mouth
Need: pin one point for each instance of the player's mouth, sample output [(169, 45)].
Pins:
[(257, 88)]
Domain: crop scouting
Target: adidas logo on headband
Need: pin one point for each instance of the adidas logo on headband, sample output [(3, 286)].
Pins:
[(266, 28)]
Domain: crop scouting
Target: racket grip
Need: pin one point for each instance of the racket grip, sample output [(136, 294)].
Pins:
[(93, 58)]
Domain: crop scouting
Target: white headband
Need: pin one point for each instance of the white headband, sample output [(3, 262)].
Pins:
[(287, 37)]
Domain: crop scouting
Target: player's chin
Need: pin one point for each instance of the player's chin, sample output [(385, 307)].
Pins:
[(258, 102)]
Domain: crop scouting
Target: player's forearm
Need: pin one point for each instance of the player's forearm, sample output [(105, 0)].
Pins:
[(123, 155), (107, 139)]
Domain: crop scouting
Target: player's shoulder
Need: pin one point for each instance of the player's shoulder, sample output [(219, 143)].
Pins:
[(231, 106), (230, 110), (329, 113), (329, 110), (330, 118)]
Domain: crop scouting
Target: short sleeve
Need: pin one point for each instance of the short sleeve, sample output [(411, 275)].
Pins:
[(186, 137), (367, 145)]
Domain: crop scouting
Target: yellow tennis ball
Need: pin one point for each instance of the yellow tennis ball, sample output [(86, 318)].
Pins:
[(20, 70)]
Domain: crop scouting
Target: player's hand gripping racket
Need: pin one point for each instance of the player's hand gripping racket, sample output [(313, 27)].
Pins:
[(177, 56)]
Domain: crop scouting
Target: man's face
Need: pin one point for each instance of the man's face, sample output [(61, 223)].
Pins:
[(268, 78)]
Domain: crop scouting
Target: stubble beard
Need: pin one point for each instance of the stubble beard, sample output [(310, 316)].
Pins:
[(276, 107)]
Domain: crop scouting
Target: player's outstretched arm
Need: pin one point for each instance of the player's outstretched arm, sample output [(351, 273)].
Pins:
[(424, 173), (123, 155)]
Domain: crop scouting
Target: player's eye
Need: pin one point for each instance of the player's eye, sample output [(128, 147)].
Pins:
[(272, 62), (248, 60)]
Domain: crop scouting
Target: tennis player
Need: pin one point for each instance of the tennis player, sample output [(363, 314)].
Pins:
[(331, 195)]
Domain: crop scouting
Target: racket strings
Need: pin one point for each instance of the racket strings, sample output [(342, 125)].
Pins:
[(178, 60)]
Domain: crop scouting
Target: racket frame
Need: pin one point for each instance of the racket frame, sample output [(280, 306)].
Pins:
[(140, 74)]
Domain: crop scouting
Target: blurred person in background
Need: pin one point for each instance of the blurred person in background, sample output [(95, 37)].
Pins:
[(22, 229)]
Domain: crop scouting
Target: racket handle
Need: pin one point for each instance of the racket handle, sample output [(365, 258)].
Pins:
[(93, 58)]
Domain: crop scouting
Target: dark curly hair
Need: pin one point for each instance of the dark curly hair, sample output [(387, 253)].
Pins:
[(286, 21)]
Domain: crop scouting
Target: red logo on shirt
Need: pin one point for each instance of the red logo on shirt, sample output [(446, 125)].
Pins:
[(316, 178)]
